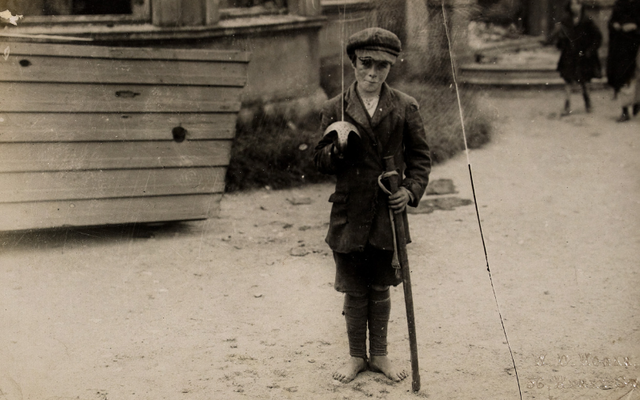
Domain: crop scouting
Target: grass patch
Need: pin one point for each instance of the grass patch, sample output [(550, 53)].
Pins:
[(271, 150)]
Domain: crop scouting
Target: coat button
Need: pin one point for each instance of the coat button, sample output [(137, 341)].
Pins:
[(375, 144)]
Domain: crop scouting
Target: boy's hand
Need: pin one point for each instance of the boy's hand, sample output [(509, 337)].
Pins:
[(351, 149), (399, 200)]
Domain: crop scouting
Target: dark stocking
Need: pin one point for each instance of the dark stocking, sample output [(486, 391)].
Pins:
[(587, 99), (379, 311), (355, 313)]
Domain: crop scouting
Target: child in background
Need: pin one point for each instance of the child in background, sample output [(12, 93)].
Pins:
[(578, 38), (623, 61)]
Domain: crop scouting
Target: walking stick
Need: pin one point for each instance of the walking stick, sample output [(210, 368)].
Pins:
[(401, 247)]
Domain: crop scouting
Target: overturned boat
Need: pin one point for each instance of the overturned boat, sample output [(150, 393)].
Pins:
[(93, 135)]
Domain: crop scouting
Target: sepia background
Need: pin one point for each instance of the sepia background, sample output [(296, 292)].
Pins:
[(163, 224)]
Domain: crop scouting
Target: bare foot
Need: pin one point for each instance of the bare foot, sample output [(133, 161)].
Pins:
[(350, 369), (383, 364)]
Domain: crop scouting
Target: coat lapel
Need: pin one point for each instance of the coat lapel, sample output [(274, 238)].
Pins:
[(355, 110), (385, 106)]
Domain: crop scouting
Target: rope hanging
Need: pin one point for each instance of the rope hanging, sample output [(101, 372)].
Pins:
[(475, 201)]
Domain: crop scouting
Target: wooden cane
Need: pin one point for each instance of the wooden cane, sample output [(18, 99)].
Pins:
[(401, 244)]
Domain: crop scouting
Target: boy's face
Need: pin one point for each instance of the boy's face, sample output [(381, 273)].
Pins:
[(576, 6), (371, 74)]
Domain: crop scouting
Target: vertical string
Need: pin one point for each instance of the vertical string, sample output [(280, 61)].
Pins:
[(342, 50), (475, 201)]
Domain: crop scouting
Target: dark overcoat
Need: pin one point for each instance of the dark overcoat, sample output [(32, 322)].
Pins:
[(359, 214), (579, 61), (623, 46)]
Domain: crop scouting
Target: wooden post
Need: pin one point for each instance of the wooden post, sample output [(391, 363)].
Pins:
[(193, 12), (306, 8), (401, 243), (165, 12), (212, 12), (179, 12)]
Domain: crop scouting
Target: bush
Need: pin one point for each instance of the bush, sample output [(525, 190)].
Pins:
[(270, 150), (439, 110)]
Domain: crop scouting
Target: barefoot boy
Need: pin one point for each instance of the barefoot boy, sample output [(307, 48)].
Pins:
[(360, 235)]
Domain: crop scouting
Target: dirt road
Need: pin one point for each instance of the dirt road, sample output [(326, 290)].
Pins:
[(242, 307)]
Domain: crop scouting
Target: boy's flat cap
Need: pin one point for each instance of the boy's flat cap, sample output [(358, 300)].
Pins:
[(376, 43)]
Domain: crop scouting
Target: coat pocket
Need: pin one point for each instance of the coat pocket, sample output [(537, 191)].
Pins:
[(339, 209)]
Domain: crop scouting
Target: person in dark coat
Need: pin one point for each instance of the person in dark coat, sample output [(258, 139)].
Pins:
[(388, 123), (623, 68), (578, 38)]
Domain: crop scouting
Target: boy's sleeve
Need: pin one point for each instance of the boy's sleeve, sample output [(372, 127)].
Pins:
[(323, 157), (417, 155)]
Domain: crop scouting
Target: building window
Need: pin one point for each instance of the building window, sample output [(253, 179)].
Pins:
[(42, 11), (88, 7), (69, 7)]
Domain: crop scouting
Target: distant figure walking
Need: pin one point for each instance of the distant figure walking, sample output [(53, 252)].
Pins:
[(578, 38), (623, 66)]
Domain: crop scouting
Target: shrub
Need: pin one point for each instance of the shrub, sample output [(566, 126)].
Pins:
[(270, 150), (439, 110)]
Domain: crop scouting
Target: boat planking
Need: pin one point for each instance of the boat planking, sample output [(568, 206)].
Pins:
[(93, 135)]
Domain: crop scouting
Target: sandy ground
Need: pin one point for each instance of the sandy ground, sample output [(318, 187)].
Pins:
[(242, 307)]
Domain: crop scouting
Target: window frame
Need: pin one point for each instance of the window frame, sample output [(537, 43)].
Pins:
[(140, 13)]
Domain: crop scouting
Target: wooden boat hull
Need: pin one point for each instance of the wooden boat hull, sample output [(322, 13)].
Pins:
[(95, 135)]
